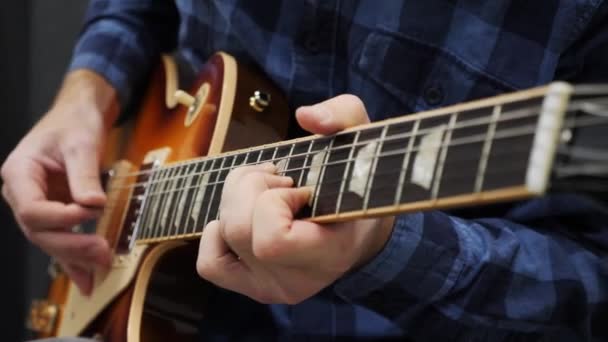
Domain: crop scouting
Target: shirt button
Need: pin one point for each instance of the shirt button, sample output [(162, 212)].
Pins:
[(433, 95)]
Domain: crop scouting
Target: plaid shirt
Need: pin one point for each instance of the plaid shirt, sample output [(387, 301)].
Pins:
[(527, 271)]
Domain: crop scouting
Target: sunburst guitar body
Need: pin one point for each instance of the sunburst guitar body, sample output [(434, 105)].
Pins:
[(152, 292)]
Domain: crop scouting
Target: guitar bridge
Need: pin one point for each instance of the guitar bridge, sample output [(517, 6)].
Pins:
[(43, 316)]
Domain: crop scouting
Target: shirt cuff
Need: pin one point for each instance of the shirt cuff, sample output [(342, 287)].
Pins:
[(421, 259), (388, 263), (119, 56)]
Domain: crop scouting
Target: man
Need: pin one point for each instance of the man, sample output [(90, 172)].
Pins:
[(524, 274)]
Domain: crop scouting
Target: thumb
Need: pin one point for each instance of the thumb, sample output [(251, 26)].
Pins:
[(333, 115), (82, 167)]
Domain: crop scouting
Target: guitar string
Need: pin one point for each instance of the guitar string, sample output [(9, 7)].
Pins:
[(504, 117), (195, 232), (196, 228), (215, 183), (180, 225), (397, 152), (184, 222), (499, 134)]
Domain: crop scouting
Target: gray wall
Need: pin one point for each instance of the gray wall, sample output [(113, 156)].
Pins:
[(36, 39)]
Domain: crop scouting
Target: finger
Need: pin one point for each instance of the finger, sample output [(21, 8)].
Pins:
[(236, 175), (37, 216), (86, 250), (276, 181), (274, 215), (218, 264), (333, 115), (82, 167), (237, 204), (25, 190)]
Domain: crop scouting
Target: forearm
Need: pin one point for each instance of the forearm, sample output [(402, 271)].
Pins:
[(479, 276), (121, 41), (89, 92)]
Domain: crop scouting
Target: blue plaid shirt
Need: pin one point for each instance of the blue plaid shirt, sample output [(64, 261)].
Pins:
[(524, 271)]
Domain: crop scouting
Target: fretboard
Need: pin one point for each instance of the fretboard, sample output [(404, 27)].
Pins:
[(467, 154)]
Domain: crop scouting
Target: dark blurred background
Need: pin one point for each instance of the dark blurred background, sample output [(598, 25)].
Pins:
[(36, 39)]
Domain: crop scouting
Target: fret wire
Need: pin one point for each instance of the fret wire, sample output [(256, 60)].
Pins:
[(200, 194), (447, 177), (502, 171), (198, 188), (397, 152), (158, 201), (213, 194), (184, 210), (406, 161), (288, 158), (345, 175), (179, 198), (149, 203), (173, 188), (217, 215), (320, 177), (370, 179), (172, 202), (511, 133), (442, 155), (487, 146), (165, 204), (507, 116), (138, 221), (304, 164), (503, 134)]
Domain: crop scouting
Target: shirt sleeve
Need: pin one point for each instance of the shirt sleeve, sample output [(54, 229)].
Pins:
[(122, 39), (440, 275)]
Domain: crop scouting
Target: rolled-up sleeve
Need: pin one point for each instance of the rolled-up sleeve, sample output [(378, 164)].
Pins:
[(121, 40), (496, 275)]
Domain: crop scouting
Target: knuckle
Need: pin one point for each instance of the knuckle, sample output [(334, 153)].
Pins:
[(268, 249), (237, 232)]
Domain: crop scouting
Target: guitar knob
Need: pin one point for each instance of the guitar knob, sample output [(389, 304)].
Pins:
[(184, 98), (259, 101)]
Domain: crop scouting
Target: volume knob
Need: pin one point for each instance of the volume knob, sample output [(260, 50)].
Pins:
[(184, 98)]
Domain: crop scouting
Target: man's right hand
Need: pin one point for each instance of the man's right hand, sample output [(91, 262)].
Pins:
[(67, 141)]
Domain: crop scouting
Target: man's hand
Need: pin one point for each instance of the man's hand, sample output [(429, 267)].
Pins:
[(258, 249), (67, 141)]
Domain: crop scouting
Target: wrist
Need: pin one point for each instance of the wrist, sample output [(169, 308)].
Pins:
[(84, 92), (384, 227)]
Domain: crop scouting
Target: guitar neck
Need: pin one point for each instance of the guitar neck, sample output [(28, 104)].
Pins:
[(470, 154)]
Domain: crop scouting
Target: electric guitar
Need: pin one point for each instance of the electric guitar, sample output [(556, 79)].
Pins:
[(168, 183)]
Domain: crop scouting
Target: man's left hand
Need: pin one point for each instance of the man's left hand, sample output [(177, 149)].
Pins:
[(258, 248)]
